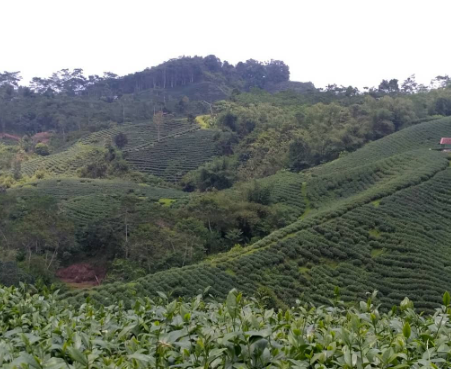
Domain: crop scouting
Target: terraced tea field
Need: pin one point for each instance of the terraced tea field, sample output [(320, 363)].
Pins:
[(173, 157), (288, 189), (90, 200), (140, 135), (169, 152), (64, 188), (65, 163), (377, 219), (8, 141)]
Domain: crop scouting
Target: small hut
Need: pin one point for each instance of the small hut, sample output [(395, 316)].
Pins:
[(445, 143)]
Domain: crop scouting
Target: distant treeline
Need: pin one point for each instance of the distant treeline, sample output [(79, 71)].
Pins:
[(170, 74), (68, 100)]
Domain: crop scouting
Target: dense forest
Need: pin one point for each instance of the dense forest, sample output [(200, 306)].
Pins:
[(68, 100)]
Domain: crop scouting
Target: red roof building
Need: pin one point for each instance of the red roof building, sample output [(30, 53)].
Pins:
[(445, 141)]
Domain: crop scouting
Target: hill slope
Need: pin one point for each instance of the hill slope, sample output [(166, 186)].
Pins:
[(86, 201), (377, 219), (168, 151)]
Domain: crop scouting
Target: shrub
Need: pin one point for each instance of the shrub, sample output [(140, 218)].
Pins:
[(42, 149), (121, 140)]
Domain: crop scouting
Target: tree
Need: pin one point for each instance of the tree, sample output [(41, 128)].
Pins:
[(382, 122), (277, 71), (121, 140), (253, 73), (389, 86), (41, 149), (443, 106), (299, 155), (40, 229), (213, 63), (183, 105), (11, 79), (409, 86), (351, 91), (127, 210), (441, 81)]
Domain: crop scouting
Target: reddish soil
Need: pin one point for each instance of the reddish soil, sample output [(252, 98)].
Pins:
[(12, 137), (43, 137), (82, 275)]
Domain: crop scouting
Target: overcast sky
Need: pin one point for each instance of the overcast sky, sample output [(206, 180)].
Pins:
[(338, 41)]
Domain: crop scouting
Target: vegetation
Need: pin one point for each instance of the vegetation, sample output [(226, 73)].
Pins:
[(135, 223), (43, 332), (69, 101), (199, 173), (337, 234)]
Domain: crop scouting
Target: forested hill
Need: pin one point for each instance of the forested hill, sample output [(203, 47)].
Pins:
[(199, 173), (69, 100)]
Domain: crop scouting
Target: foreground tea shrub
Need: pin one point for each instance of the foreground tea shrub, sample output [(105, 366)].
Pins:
[(41, 331)]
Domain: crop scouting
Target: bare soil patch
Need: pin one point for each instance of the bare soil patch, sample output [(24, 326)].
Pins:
[(82, 275)]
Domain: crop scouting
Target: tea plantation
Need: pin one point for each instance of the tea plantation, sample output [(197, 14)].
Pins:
[(41, 331), (86, 201), (8, 141), (65, 163), (168, 151), (65, 188), (174, 156), (376, 219)]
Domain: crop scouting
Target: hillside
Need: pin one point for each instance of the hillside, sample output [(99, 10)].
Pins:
[(168, 151), (89, 201), (376, 219), (197, 172)]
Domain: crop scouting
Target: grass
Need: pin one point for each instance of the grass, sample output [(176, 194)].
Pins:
[(377, 252), (374, 233), (166, 202), (204, 121)]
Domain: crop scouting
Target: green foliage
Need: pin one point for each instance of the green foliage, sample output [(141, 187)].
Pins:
[(287, 130), (374, 217), (11, 274), (165, 333), (338, 242), (42, 149), (218, 174), (121, 140), (259, 194), (36, 232), (123, 270)]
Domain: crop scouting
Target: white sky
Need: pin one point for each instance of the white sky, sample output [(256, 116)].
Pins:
[(338, 41)]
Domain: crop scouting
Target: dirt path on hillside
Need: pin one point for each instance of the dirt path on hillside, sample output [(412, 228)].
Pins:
[(11, 137)]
